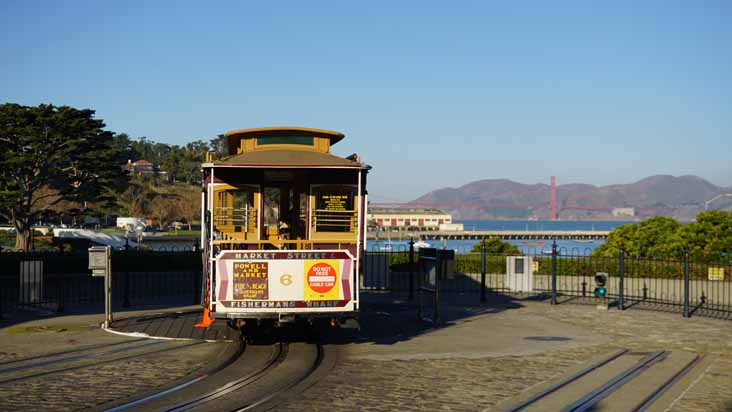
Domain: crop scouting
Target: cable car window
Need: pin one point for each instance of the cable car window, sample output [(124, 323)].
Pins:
[(236, 208), (334, 211)]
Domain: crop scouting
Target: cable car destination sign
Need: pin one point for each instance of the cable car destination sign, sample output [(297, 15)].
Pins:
[(284, 279)]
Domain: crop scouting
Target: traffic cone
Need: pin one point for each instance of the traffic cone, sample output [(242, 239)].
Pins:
[(206, 321)]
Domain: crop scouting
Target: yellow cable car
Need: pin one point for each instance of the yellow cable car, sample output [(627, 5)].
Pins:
[(283, 227)]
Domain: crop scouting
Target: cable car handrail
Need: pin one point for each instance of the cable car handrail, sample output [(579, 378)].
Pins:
[(233, 216), (325, 219)]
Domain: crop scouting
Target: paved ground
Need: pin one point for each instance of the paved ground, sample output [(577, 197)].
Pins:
[(108, 378), (480, 361), (483, 356)]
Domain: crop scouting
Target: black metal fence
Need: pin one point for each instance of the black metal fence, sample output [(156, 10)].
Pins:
[(59, 282), (633, 282)]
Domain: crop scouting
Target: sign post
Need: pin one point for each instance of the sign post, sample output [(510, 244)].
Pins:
[(100, 263)]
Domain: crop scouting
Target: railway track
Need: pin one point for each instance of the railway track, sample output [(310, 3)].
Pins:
[(260, 376), (85, 357), (623, 381)]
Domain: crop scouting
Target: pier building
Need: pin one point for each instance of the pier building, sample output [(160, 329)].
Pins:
[(406, 218)]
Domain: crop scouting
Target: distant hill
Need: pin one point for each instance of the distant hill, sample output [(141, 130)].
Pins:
[(680, 197)]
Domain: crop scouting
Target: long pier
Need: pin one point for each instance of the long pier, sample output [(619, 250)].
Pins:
[(501, 234)]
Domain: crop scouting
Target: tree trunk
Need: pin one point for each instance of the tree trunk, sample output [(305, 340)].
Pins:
[(23, 231), (24, 240)]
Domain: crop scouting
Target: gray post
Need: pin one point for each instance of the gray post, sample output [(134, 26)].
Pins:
[(621, 285), (482, 269), (686, 283), (411, 269), (554, 272), (108, 290)]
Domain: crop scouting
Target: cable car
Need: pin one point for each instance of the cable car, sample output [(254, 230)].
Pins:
[(283, 228)]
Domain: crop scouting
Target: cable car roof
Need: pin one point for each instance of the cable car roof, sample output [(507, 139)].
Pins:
[(334, 136)]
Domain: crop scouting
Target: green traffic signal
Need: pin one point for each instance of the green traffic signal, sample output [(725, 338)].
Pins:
[(600, 292)]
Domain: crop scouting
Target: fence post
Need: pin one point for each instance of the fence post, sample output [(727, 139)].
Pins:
[(126, 299), (621, 285), (482, 269), (686, 283), (197, 275), (60, 294), (438, 274), (411, 268), (554, 272)]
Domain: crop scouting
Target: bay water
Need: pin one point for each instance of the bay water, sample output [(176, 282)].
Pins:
[(534, 247)]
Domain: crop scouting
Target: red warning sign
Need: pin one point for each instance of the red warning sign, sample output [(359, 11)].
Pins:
[(321, 277)]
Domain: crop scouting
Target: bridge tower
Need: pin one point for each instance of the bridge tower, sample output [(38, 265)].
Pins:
[(553, 198)]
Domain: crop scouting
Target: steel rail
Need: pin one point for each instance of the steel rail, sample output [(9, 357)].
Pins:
[(567, 381), (648, 401), (235, 384), (183, 385), (66, 352), (77, 357), (591, 399), (318, 361), (21, 378)]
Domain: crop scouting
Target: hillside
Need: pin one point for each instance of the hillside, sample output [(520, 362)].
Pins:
[(680, 197)]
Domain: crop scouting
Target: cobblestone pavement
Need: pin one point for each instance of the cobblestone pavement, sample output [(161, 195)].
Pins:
[(653, 330), (469, 384), (95, 385), (109, 379)]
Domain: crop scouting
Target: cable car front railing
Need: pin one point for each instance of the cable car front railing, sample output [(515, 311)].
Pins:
[(334, 220)]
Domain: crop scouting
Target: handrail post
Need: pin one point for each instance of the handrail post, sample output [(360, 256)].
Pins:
[(411, 269), (621, 283), (554, 272), (482, 269), (686, 282)]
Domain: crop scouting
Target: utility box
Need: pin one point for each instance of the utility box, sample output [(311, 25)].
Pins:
[(431, 257), (520, 274)]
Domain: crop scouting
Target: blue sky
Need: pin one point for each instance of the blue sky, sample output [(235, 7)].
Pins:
[(431, 94)]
